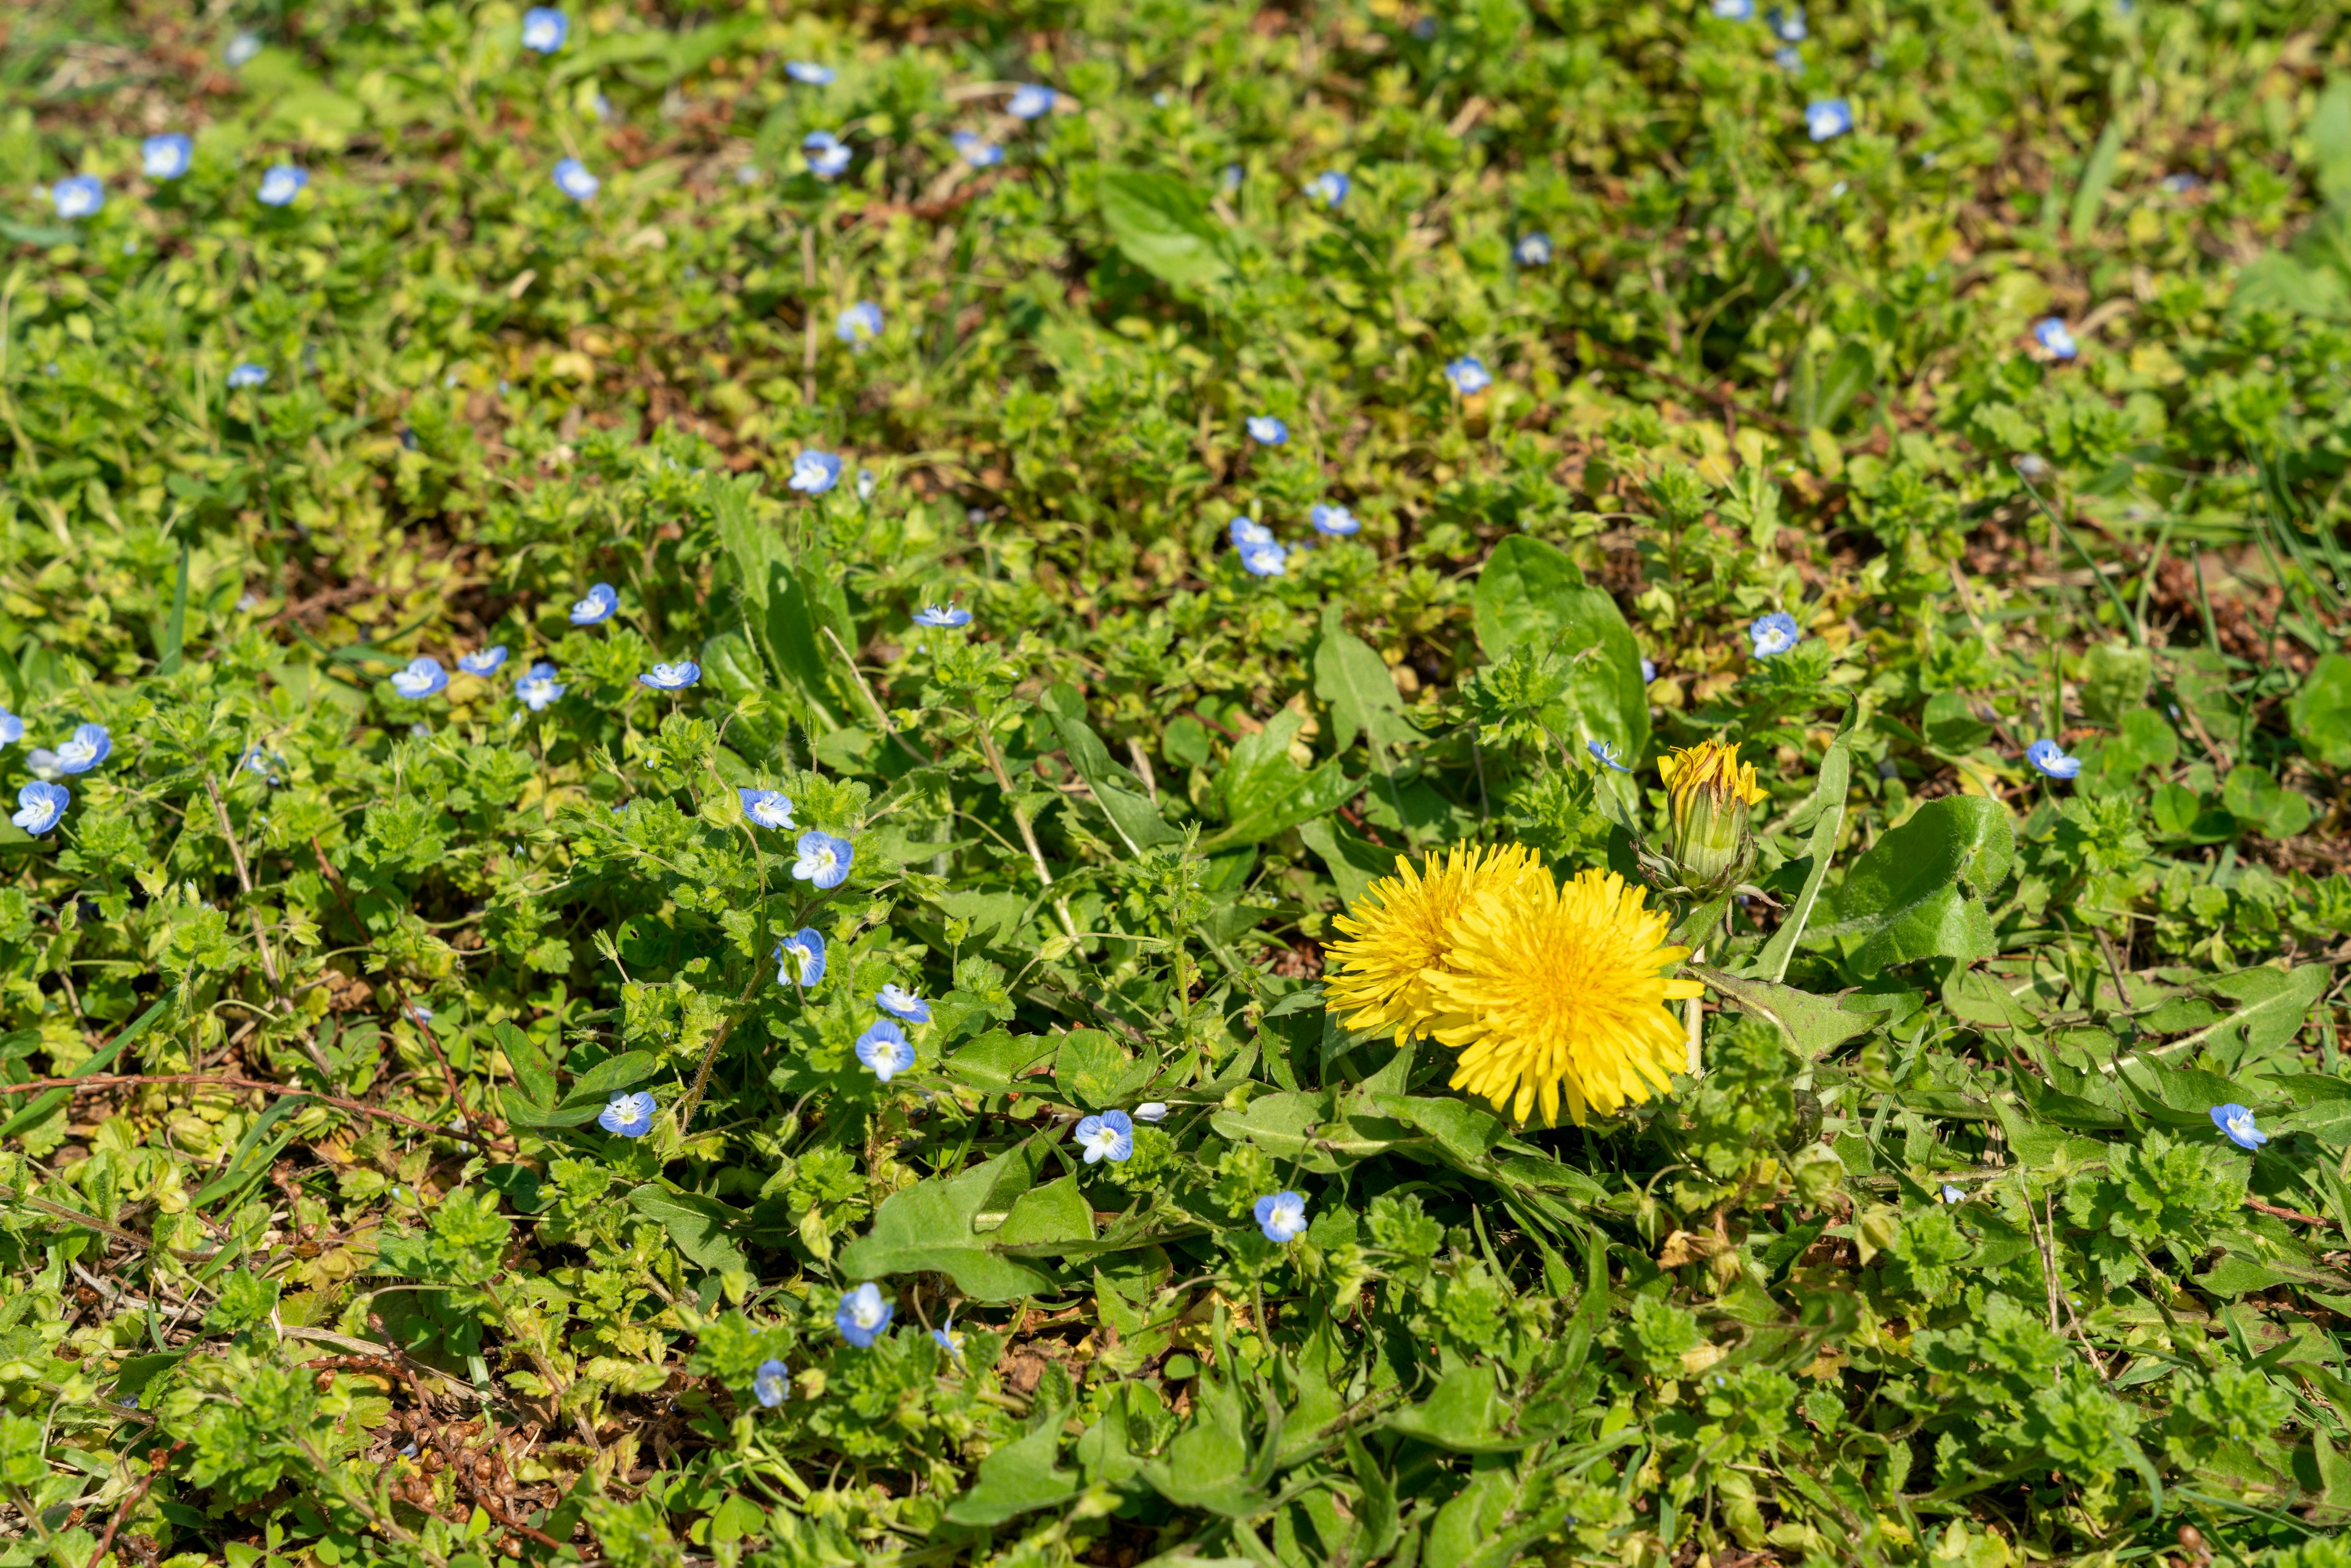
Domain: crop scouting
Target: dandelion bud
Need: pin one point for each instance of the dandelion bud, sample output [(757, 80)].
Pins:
[(1711, 792)]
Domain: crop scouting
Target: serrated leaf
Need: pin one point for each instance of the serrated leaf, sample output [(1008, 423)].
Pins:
[(1264, 790), (1814, 1025), (1117, 791), (1916, 895), (697, 1226)]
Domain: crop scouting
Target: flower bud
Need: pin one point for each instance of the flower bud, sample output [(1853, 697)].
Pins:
[(1710, 793)]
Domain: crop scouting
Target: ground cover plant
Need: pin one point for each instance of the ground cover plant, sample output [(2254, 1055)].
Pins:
[(1046, 783)]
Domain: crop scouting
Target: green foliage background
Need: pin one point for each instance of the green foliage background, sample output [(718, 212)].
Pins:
[(322, 1256)]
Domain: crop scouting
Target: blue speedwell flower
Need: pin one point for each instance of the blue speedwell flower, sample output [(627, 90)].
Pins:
[(803, 950), (1266, 430), (630, 1115), (1735, 10), (1029, 102), (1108, 1136), (1953, 1194), (942, 615), (1329, 188), (867, 483), (597, 608), (862, 1316), (976, 149), (1790, 58), (89, 745), (1330, 518), (544, 29), (884, 1049), (1608, 753), (1247, 532), (1468, 375), (424, 677), (281, 183), (78, 196), (1152, 1111), (768, 808), (2053, 335), (1533, 249), (166, 157), (814, 472), (1281, 1216), (824, 860), (12, 728), (1773, 634), (538, 686), (2049, 758), (1789, 23), (859, 322), (482, 661), (808, 73), (948, 1338), (827, 156), (260, 762), (897, 1000), (572, 178), (771, 1384), (241, 49), (2237, 1122), (247, 374), (1264, 560), (672, 677), (40, 805), (1826, 119), (1648, 670)]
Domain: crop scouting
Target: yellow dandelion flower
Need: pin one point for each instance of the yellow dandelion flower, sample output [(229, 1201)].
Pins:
[(1555, 992), (1376, 980), (1711, 766)]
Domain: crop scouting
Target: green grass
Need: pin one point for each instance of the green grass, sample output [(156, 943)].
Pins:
[(1943, 1257)]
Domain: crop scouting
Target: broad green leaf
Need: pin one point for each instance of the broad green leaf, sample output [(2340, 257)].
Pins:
[(175, 630), (2265, 1007), (732, 664), (96, 1062), (698, 1226), (1264, 790), (2330, 138), (1917, 894), (1118, 792), (1463, 1413), (1529, 590), (1355, 864), (614, 1073), (992, 1061), (1354, 684), (2114, 678), (1814, 1025), (1466, 1132), (2321, 711), (1094, 1072), (928, 1226), (1019, 1476), (1162, 226), (1057, 1211)]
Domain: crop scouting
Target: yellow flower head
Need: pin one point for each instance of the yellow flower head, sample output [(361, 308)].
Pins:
[(1376, 980), (1711, 792), (1712, 766), (1556, 992)]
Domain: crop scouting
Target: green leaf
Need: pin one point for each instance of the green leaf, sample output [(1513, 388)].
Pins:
[(732, 665), (1094, 1072), (1915, 894), (778, 615), (1466, 1132), (1057, 1211), (1019, 1476), (599, 1081), (1529, 590), (2114, 678), (1355, 864), (1162, 226), (1814, 1025), (1354, 682), (928, 1226), (2321, 711), (697, 1226), (96, 1062), (993, 1061), (175, 630), (1118, 792), (2330, 139), (1463, 1413), (2269, 1006), (1265, 792), (2097, 179), (1828, 806)]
